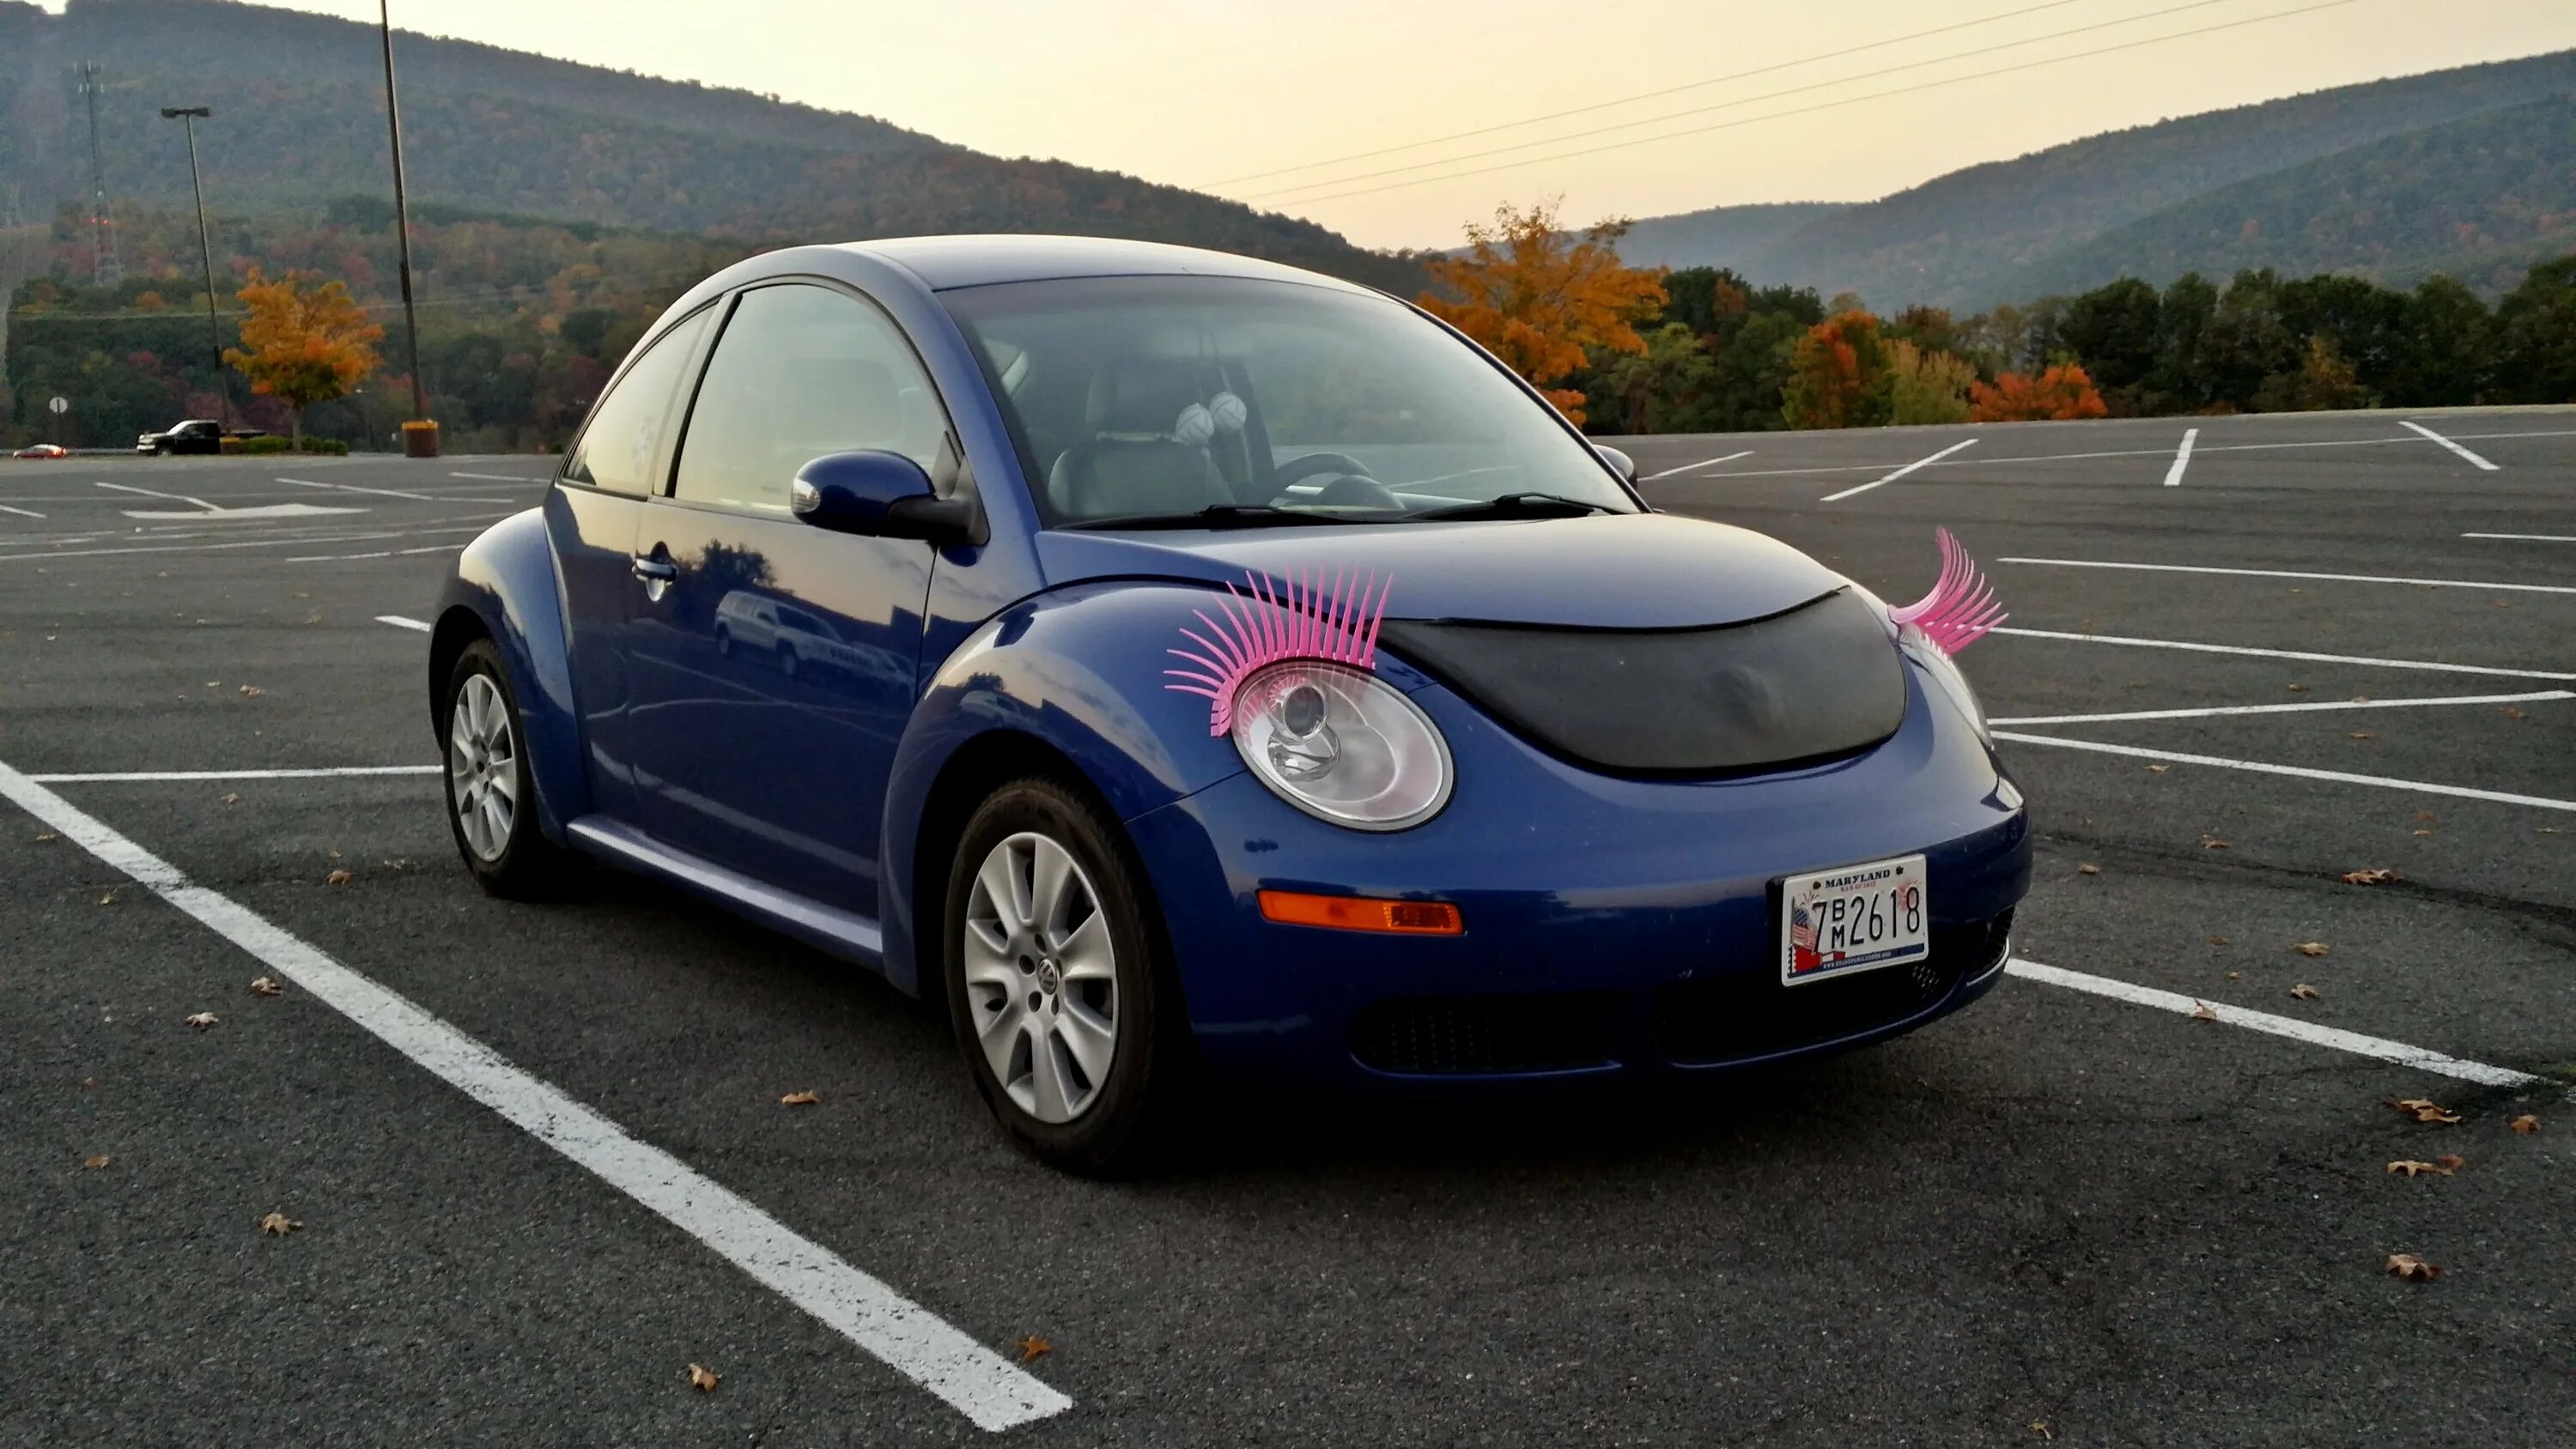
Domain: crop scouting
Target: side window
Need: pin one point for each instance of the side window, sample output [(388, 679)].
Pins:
[(616, 450), (799, 372)]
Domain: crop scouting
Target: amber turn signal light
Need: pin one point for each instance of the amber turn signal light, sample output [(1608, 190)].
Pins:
[(1359, 913)]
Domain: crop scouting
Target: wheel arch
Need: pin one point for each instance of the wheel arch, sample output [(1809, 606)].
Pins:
[(504, 588)]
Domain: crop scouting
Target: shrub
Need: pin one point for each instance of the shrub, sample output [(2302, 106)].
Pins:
[(263, 445), (332, 446), (2061, 393), (1925, 386)]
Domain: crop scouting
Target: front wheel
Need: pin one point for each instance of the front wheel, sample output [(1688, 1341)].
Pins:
[(1057, 984), (491, 792)]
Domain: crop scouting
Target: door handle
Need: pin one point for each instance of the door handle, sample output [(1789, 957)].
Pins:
[(656, 570)]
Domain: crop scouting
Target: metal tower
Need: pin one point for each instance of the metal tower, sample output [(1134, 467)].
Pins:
[(106, 267)]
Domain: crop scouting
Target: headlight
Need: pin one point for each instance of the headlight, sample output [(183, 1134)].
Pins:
[(1944, 671), (1342, 745)]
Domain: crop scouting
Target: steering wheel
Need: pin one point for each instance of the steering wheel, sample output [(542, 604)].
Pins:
[(1298, 470), (1353, 489)]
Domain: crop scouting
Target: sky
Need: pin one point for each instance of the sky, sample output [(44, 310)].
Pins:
[(1203, 93)]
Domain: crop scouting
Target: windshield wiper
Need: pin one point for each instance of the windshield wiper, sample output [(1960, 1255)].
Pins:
[(1218, 515), (1513, 505)]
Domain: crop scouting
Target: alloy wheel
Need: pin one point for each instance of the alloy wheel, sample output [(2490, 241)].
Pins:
[(1041, 977), (483, 767)]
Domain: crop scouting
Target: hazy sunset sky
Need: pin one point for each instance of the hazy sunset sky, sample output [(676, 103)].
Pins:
[(1199, 92)]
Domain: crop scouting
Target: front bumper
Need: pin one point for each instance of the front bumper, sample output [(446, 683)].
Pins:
[(1614, 927)]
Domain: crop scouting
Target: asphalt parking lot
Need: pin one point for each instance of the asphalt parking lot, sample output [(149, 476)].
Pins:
[(2080, 1212)]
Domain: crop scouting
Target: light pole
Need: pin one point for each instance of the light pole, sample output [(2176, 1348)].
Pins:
[(188, 116), (402, 209)]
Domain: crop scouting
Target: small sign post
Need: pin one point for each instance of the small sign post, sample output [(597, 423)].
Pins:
[(58, 406)]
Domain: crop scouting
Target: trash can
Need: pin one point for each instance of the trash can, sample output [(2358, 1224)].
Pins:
[(420, 438)]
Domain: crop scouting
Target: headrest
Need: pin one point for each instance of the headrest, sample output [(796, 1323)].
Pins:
[(1142, 395)]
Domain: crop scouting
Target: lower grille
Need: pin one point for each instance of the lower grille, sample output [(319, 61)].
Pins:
[(1466, 1035), (1735, 1018)]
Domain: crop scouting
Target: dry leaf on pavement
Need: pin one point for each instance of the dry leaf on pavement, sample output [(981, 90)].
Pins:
[(703, 1379), (2218, 940), (2511, 713), (2376, 875), (2212, 842), (2526, 1124), (263, 986), (203, 1019), (279, 1224), (2235, 975), (2412, 1168), (96, 1162), (799, 1099), (47, 838), (338, 877), (2298, 689), (2424, 815), (2450, 1162), (2423, 832), (252, 691), (2088, 868), (2412, 1268), (2424, 1109), (231, 798), (2305, 992), (1033, 1348), (2361, 735), (2158, 769), (2040, 1427), (2203, 1011), (2312, 948)]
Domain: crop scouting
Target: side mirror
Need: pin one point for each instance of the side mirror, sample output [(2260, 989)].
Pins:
[(878, 494), (1626, 465)]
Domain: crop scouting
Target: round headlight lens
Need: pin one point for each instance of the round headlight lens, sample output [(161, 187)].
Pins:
[(1944, 671), (1341, 744)]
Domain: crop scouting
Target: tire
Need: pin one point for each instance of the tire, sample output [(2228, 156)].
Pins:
[(1023, 987), (787, 661), (491, 793), (724, 643)]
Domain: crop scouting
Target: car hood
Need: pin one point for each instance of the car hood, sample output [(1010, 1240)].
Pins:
[(1613, 571)]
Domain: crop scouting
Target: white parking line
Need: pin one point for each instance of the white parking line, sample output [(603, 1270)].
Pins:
[(131, 777), (2182, 458), (21, 512), (496, 478), (2432, 665), (2299, 772), (1990, 461), (2482, 463), (2088, 563), (1702, 463), (244, 543), (992, 1392), (384, 553), (354, 488), (399, 622), (1901, 472), (152, 493), (2327, 704), (2527, 537), (2381, 1048)]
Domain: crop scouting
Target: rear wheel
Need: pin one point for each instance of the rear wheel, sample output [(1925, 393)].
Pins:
[(491, 793), (1057, 984)]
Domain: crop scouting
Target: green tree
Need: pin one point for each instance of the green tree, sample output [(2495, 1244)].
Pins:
[(2247, 341), (2113, 331), (1710, 301), (2322, 382), (1661, 390), (2536, 336), (1924, 386), (2180, 379), (2446, 352), (1750, 376)]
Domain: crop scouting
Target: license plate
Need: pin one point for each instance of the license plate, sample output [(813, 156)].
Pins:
[(1856, 918)]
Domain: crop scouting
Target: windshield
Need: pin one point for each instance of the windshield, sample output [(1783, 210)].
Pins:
[(1229, 402)]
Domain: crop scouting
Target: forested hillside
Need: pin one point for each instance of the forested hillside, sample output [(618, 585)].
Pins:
[(1721, 236)]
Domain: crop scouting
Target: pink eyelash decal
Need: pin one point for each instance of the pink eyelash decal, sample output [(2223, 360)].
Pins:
[(1960, 608), (1266, 622)]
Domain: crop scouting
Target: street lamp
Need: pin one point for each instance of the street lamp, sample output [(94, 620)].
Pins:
[(402, 210), (189, 116)]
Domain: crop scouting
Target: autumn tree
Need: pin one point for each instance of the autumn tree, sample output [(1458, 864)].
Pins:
[(1543, 300), (304, 342), (1838, 375), (1925, 386), (2323, 382), (2060, 394)]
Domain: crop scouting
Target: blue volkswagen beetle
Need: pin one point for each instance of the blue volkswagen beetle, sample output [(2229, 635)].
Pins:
[(1184, 665)]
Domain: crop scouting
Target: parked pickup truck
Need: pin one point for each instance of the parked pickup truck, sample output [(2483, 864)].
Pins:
[(196, 435)]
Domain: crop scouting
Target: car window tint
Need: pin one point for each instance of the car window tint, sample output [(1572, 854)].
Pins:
[(616, 450), (799, 372)]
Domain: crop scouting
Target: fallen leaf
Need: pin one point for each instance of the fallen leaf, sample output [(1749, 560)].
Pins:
[(47, 838), (279, 1224), (1033, 1348), (2203, 1011), (2212, 842), (2412, 1268), (2511, 713), (2312, 948), (2158, 769), (2088, 868), (2218, 940), (2361, 735), (2504, 603), (87, 1082), (109, 899), (799, 1099), (2375, 875), (2424, 1109), (2361, 699), (2450, 1162), (263, 986), (2412, 1168), (2298, 689), (2423, 832), (703, 1379), (2423, 814), (252, 691), (2040, 1427), (338, 877), (2526, 1124), (96, 1162), (2305, 992), (2547, 829), (231, 798), (203, 1019), (2235, 975)]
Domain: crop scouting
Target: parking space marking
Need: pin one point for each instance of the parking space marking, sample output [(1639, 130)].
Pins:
[(2091, 563), (1702, 463), (2299, 772), (2420, 1058), (2182, 458), (354, 488), (1901, 472), (1989, 460), (21, 512), (130, 777), (382, 553), (2433, 665), (979, 1383), (2527, 537), (496, 478), (239, 543), (399, 622), (2483, 464), (2137, 714)]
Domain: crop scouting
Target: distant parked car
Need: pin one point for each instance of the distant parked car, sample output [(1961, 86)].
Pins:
[(196, 435), (794, 638), (42, 450)]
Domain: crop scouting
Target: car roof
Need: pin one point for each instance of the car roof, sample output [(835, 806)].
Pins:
[(942, 262)]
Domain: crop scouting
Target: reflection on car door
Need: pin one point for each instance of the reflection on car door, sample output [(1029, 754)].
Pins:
[(774, 677), (592, 514)]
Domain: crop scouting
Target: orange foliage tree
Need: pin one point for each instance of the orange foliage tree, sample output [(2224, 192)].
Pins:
[(1837, 375), (304, 341), (1541, 299), (2060, 394)]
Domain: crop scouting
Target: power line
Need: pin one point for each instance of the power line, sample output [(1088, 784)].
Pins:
[(1642, 96), (1826, 105), (1743, 101)]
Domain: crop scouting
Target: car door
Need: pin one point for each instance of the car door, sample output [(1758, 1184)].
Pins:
[(592, 515), (769, 755)]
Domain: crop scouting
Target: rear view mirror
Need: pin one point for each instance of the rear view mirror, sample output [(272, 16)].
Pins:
[(879, 494), (1626, 465)]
